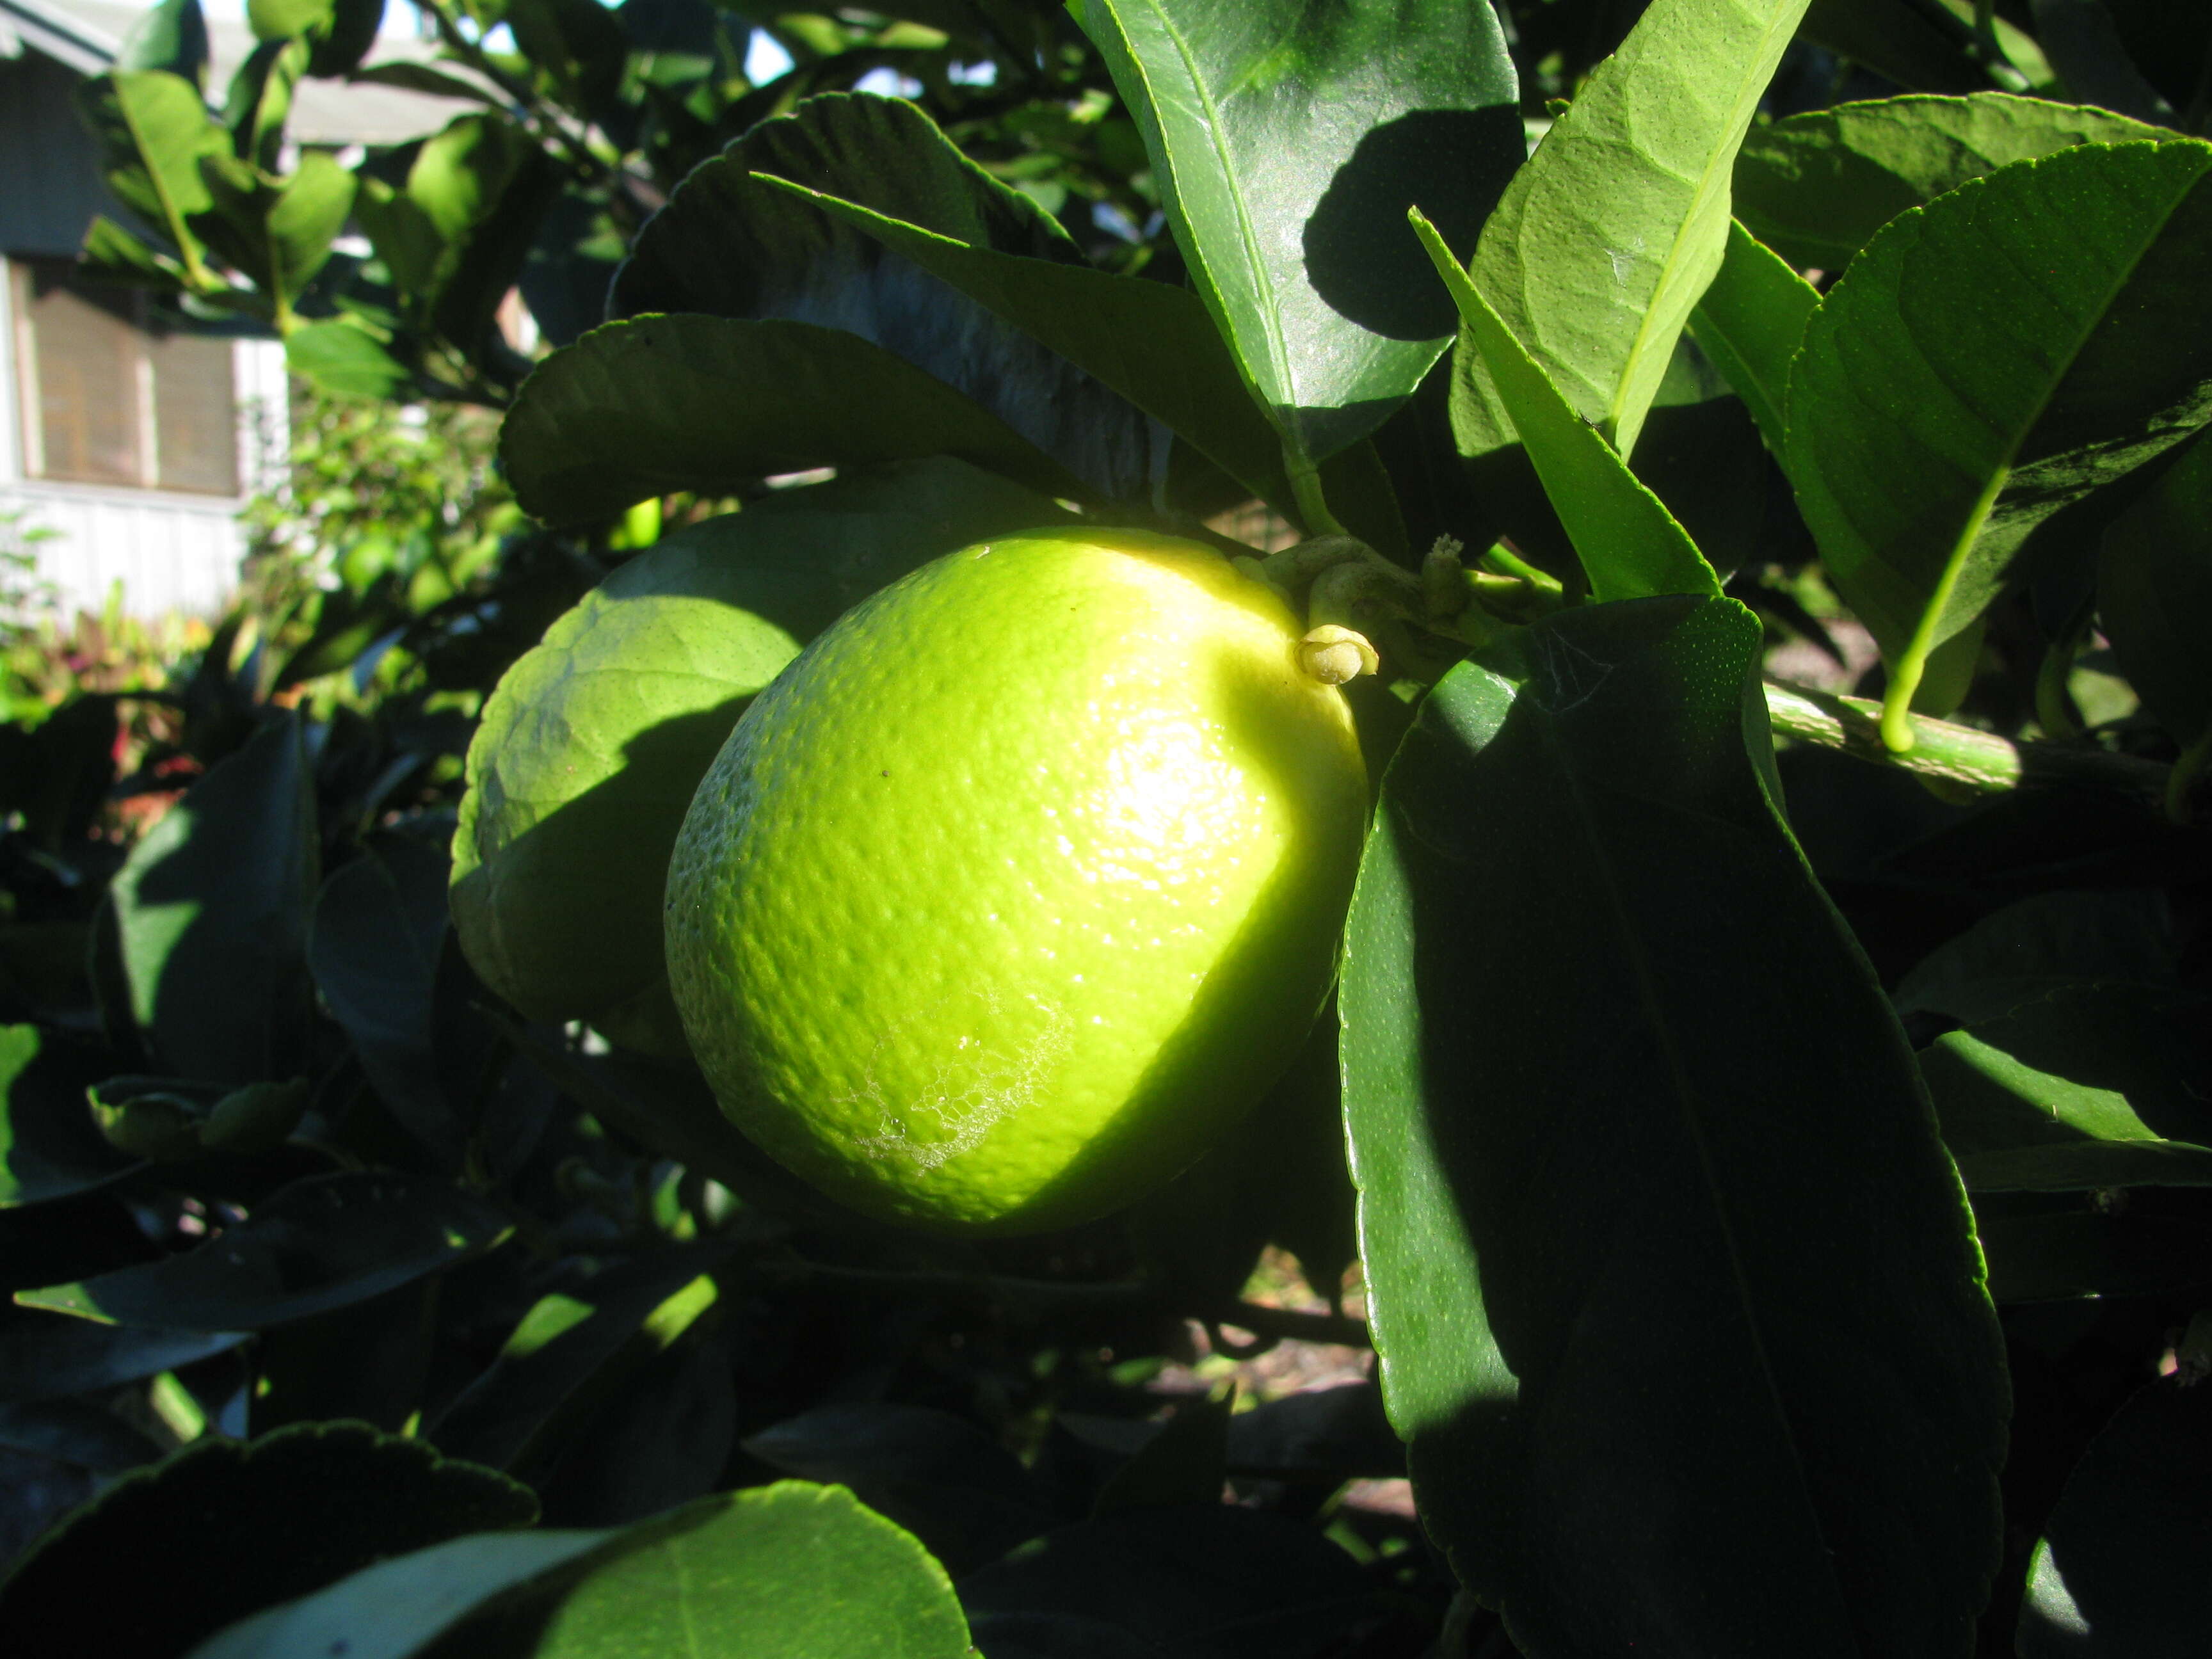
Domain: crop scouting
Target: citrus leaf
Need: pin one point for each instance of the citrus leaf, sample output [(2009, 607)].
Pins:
[(260, 101), (2119, 1570), (300, 1508), (323, 1242), (154, 129), (305, 220), (396, 1610), (2051, 942), (944, 1479), (341, 359), (171, 37), (2154, 598), (1288, 142), (786, 1571), (48, 1145), (1605, 239), (1990, 359), (1195, 1578), (1619, 1082), (1815, 186), (1628, 542), (710, 404), (1921, 47), (1750, 322), (731, 245), (568, 1354), (1151, 344), (211, 911), (2084, 47), (2091, 1086), (48, 1357), (378, 927)]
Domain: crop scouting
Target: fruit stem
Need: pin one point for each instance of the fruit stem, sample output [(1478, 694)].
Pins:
[(1313, 505)]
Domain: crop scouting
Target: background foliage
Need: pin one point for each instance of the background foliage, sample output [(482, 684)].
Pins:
[(480, 1336)]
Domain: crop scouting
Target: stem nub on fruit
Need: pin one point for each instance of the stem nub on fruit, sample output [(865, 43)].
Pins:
[(1332, 655)]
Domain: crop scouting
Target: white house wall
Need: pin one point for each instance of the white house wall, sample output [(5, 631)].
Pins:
[(170, 550)]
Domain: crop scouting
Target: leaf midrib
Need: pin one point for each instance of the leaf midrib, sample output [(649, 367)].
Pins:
[(1688, 1099), (1278, 350), (1923, 642), (1746, 101)]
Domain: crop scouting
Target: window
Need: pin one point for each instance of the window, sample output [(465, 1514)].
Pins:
[(109, 396)]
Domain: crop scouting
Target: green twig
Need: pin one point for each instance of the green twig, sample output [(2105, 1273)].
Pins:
[(1979, 761)]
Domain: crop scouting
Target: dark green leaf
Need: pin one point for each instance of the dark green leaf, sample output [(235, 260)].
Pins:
[(670, 1109), (2048, 943), (411, 76), (48, 1145), (46, 1356), (260, 99), (342, 360), (730, 245), (323, 1242), (1150, 343), (1628, 542), (1288, 143), (2085, 48), (1186, 1463), (1925, 48), (367, 1362), (1618, 1083), (154, 131), (709, 404), (2089, 1087), (2119, 1572), (353, 26), (1213, 1579), (211, 907), (2154, 596), (1750, 322), (660, 1438), (76, 1431), (309, 211), (171, 37), (112, 254), (379, 925), (1988, 360), (396, 1610), (572, 1350), (1816, 186), (1605, 238), (786, 1571), (68, 1238), (954, 1486), (299, 1510), (2062, 1247), (577, 45)]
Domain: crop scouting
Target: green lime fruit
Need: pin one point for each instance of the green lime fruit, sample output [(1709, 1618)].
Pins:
[(1022, 883), (592, 743)]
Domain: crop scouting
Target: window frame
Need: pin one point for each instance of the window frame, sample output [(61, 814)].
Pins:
[(23, 272)]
